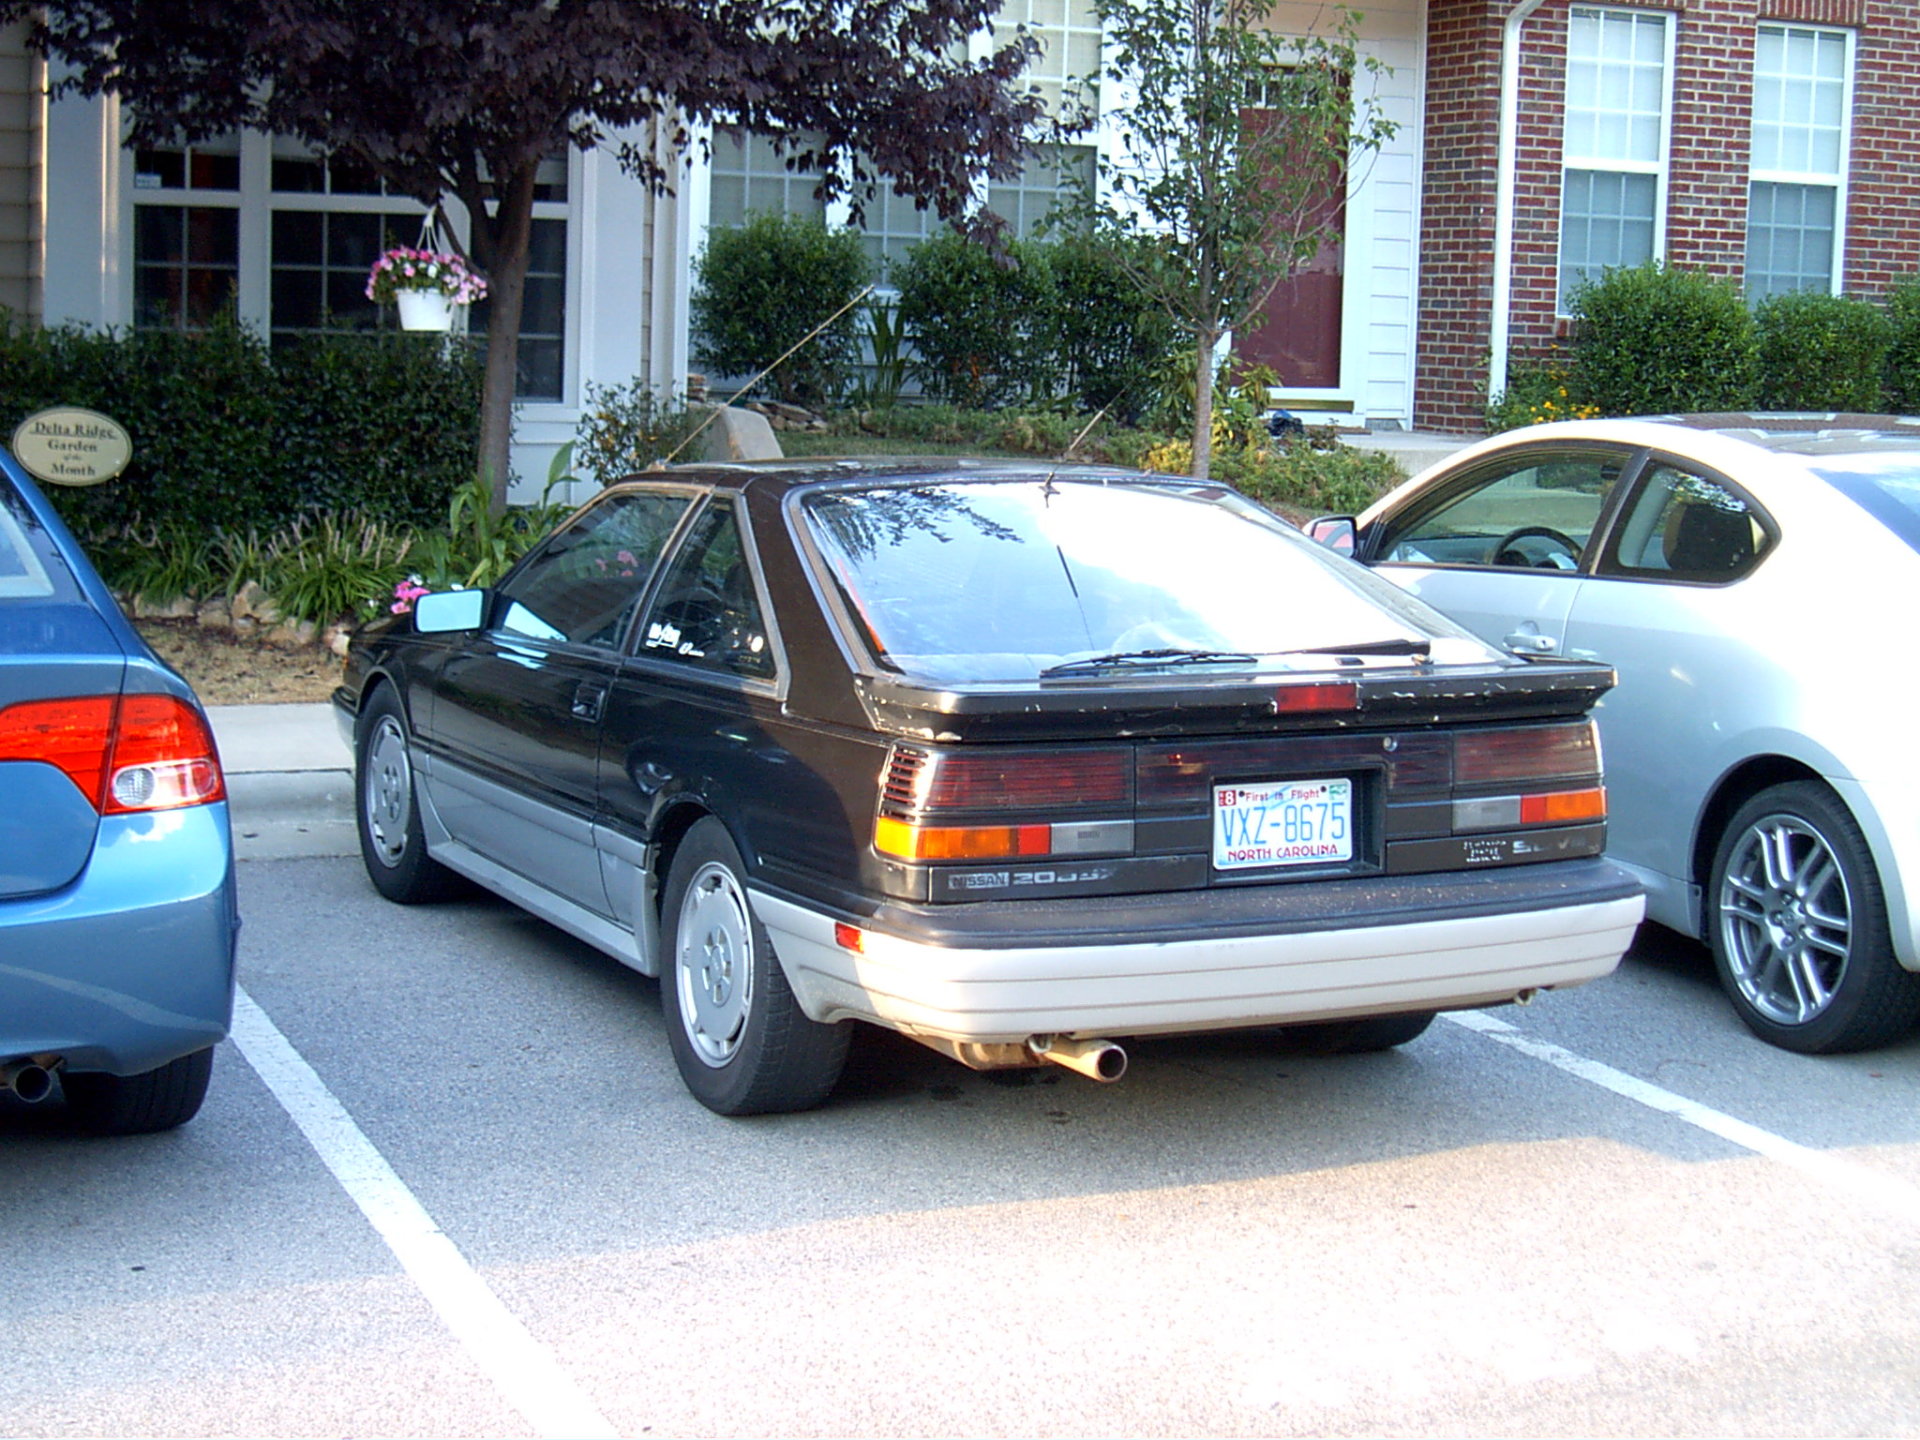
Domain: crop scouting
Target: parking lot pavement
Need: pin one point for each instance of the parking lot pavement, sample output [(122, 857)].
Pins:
[(448, 1182), (289, 780)]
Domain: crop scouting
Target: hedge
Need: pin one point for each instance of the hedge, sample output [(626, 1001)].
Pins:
[(229, 434)]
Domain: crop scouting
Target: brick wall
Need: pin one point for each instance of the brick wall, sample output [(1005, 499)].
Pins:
[(1456, 221), (1883, 192), (1707, 173)]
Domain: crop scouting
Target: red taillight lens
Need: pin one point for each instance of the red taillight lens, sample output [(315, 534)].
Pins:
[(126, 754), (70, 734), (1007, 780), (163, 757), (1496, 757)]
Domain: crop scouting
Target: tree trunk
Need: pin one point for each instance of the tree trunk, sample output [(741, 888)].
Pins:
[(1203, 403), (505, 247)]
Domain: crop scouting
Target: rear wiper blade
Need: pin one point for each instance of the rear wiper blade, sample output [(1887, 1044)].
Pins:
[(1123, 658), (1371, 647)]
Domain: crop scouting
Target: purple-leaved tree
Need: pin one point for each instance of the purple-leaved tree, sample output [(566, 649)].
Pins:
[(464, 98)]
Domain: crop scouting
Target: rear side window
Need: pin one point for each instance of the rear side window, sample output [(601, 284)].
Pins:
[(707, 613), (30, 568), (1004, 579), (1688, 527)]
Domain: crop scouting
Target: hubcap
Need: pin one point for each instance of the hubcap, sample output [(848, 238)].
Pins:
[(387, 791), (713, 970), (1786, 919)]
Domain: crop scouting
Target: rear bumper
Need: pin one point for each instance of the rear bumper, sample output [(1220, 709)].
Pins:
[(1468, 944), (132, 965)]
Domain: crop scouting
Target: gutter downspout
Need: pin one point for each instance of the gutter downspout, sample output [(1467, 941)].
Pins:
[(1507, 163)]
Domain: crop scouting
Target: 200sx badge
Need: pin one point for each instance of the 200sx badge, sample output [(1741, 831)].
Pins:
[(988, 880), (1291, 822)]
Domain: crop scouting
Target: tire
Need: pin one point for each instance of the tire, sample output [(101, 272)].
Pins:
[(1357, 1037), (139, 1104), (1797, 922), (743, 1045), (393, 847)]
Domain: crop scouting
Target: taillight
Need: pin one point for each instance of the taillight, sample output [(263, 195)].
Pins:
[(1007, 780), (124, 753), (953, 805), (1538, 752)]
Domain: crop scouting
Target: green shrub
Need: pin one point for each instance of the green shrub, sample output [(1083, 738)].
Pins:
[(321, 569), (1111, 339), (759, 290), (1659, 338), (1821, 352), (1295, 477), (1903, 348), (1540, 389), (981, 324), (381, 426), (625, 428)]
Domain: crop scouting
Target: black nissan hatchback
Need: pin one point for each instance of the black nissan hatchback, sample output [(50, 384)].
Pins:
[(1018, 760)]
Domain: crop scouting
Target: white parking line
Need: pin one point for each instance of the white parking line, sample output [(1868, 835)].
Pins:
[(1884, 1192), (521, 1367)]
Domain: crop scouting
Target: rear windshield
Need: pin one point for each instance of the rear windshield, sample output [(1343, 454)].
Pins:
[(1886, 486), (30, 567), (1008, 579)]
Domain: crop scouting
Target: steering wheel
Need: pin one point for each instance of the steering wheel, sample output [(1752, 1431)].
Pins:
[(1505, 551)]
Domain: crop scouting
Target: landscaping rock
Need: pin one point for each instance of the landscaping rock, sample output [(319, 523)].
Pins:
[(250, 602), (215, 615)]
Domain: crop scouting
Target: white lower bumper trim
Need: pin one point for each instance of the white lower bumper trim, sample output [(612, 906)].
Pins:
[(1212, 984)]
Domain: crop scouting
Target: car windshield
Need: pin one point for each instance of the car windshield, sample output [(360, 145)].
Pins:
[(1012, 579), (1884, 484)]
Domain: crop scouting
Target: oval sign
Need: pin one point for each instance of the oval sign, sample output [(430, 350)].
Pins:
[(70, 446)]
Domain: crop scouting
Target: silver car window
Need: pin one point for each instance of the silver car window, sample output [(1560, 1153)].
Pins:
[(1535, 511), (1684, 526)]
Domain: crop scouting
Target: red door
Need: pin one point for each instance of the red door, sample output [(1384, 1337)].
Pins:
[(1301, 337)]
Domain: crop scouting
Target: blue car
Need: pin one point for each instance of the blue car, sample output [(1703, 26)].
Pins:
[(117, 910)]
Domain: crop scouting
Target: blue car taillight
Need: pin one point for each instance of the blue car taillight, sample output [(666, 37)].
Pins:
[(127, 754)]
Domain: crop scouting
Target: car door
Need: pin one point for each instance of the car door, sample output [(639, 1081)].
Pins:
[(1664, 609), (696, 704), (517, 707), (1503, 547)]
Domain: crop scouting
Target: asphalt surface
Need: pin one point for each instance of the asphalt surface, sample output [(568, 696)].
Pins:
[(447, 1182)]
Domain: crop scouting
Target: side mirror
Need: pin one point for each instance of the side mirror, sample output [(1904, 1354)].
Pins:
[(445, 611), (1339, 533)]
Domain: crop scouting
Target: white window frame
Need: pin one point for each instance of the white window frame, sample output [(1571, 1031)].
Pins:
[(1837, 182), (1658, 168)]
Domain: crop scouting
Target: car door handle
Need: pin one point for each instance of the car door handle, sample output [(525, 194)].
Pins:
[(1529, 642), (587, 700)]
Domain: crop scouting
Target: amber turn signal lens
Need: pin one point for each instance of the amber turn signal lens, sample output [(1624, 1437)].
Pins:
[(1565, 807), (959, 842)]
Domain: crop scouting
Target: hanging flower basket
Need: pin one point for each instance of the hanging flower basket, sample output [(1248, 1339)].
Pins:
[(425, 284)]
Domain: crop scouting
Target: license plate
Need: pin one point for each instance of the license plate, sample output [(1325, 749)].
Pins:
[(1295, 822)]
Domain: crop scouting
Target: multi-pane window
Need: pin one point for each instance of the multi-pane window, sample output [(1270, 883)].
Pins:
[(1794, 204), (186, 233), (750, 175), (1054, 173), (330, 219), (1619, 64)]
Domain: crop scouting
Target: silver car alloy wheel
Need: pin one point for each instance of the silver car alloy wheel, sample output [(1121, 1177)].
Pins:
[(1786, 917), (387, 790), (713, 967)]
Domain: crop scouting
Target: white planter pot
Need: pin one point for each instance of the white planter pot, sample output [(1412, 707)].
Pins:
[(425, 310)]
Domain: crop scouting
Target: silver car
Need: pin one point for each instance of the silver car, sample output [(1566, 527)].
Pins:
[(1748, 577)]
